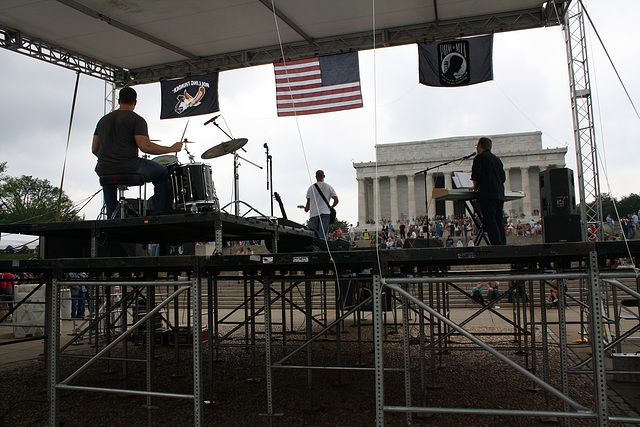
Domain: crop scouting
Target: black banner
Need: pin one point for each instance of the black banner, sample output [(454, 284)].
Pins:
[(191, 96), (458, 62)]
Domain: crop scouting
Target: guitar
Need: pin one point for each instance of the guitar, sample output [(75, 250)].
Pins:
[(279, 200)]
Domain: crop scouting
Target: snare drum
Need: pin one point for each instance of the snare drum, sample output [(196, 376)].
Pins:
[(192, 187), (166, 159)]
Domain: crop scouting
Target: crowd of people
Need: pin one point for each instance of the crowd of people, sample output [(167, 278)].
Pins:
[(494, 292), (456, 231), (627, 227)]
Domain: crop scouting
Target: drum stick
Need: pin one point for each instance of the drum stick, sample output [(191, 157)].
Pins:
[(185, 130)]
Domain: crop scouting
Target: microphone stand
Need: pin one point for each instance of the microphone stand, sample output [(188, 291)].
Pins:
[(236, 174), (228, 136), (236, 179), (426, 195), (269, 174)]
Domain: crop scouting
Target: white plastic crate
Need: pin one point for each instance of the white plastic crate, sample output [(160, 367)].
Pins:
[(33, 314)]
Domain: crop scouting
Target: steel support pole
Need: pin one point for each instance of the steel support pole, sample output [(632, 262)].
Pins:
[(210, 322), (545, 341), (151, 301), (54, 344), (422, 349), (309, 334), (597, 342), (564, 353), (217, 250), (407, 361), (196, 298), (378, 356), (267, 342)]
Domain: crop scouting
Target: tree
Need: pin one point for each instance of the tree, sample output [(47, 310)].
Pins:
[(343, 225), (29, 199), (626, 205)]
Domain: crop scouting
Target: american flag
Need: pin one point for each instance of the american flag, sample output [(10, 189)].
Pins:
[(318, 85)]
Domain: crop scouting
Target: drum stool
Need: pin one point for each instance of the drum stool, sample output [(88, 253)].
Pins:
[(122, 182)]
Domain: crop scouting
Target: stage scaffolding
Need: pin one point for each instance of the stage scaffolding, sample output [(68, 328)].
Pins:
[(572, 409), (408, 290)]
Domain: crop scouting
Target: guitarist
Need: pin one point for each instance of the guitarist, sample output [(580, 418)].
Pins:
[(319, 212)]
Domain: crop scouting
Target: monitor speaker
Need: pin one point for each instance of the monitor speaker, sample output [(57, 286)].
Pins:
[(557, 193), (422, 243), (561, 228)]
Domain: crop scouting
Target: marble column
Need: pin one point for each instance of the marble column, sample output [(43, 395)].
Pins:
[(448, 205), (507, 187), (411, 196), (393, 199), (526, 202), (432, 203), (362, 201), (377, 204)]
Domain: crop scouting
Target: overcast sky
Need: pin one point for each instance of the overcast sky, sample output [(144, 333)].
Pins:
[(530, 92)]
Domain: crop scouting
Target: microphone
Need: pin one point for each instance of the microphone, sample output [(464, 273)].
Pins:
[(211, 120), (470, 156)]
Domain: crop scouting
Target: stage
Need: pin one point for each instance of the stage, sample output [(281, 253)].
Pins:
[(325, 287), (118, 237)]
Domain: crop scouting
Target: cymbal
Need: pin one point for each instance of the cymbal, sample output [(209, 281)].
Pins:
[(185, 141), (224, 148), (155, 140), (166, 159)]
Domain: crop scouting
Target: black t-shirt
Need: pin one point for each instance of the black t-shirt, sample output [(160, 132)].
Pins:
[(118, 151), (488, 172)]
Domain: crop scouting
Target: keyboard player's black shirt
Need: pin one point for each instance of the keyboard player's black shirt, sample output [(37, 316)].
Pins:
[(488, 172)]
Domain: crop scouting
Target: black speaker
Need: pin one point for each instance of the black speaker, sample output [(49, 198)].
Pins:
[(561, 228), (422, 243), (557, 193)]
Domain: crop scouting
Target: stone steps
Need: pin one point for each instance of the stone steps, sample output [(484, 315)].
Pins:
[(231, 294)]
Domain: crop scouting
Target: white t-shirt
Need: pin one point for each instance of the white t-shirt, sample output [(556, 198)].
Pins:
[(317, 206)]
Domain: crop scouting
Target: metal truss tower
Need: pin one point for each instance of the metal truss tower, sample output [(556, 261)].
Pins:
[(583, 128)]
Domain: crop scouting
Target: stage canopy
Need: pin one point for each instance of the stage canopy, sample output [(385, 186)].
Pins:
[(142, 41)]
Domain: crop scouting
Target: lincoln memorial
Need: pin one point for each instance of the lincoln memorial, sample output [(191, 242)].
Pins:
[(401, 186)]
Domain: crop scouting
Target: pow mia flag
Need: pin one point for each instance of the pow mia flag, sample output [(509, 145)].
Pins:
[(190, 96), (458, 62)]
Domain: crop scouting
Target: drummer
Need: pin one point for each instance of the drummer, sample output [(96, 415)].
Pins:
[(116, 141)]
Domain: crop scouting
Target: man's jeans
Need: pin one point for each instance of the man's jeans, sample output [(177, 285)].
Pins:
[(320, 224), (153, 172)]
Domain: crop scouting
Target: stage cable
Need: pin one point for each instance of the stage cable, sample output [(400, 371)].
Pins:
[(88, 200), (376, 189), (66, 151), (300, 139), (613, 66), (527, 117), (602, 156)]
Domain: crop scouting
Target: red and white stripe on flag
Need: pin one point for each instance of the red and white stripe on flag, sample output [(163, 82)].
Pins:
[(299, 90)]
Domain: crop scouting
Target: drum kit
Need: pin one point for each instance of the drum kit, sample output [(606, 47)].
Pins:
[(191, 184)]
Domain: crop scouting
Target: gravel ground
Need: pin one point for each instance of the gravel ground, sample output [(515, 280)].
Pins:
[(238, 390)]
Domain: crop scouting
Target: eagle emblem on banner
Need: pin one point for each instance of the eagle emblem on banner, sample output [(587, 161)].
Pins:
[(185, 100), (189, 96)]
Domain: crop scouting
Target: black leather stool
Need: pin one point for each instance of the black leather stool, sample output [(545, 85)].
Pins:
[(122, 182)]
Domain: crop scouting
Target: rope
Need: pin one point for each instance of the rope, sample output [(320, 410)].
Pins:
[(66, 151)]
